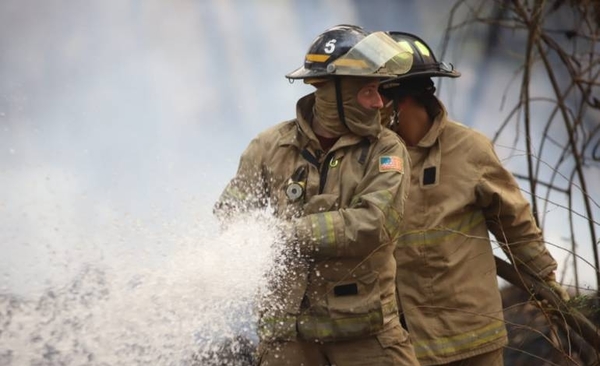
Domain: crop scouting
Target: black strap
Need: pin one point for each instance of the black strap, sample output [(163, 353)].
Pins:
[(322, 168), (365, 143), (309, 157), (324, 171)]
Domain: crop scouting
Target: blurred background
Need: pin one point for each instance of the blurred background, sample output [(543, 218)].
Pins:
[(122, 121), (117, 117)]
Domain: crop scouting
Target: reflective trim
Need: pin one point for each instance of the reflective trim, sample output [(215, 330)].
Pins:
[(422, 48), (325, 328), (324, 233), (392, 222), (404, 44), (460, 227), (312, 57), (277, 327), (461, 342)]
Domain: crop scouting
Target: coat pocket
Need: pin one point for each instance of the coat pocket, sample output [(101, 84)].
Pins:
[(357, 297)]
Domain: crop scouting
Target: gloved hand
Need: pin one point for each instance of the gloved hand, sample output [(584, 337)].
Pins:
[(557, 287)]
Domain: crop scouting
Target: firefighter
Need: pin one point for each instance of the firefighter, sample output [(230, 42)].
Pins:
[(446, 274), (338, 181)]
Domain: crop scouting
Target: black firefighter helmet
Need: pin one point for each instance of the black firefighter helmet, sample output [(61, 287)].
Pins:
[(348, 50), (424, 66), (424, 61), (417, 81)]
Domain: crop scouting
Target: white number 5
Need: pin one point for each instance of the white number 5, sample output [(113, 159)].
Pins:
[(330, 46)]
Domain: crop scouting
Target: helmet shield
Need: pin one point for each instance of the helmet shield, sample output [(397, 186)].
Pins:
[(376, 55)]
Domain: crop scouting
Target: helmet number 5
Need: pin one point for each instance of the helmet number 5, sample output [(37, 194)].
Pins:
[(330, 46)]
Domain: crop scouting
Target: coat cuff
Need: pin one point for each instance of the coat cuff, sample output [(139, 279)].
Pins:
[(540, 264)]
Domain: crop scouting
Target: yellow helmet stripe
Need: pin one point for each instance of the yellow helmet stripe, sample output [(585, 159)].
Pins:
[(406, 46), (316, 58), (424, 50)]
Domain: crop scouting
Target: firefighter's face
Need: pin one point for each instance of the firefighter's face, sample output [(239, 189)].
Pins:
[(368, 96)]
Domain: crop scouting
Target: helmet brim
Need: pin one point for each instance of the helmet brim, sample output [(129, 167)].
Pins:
[(303, 73), (393, 82), (431, 73)]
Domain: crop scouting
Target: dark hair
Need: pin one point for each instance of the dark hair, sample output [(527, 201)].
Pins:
[(421, 89)]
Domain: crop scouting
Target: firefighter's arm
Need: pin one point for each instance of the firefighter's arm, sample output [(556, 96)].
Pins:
[(509, 218), (247, 189), (372, 219)]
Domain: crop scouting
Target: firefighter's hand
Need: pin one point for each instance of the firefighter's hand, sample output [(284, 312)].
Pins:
[(559, 290), (557, 287)]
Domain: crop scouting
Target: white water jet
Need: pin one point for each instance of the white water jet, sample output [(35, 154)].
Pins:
[(186, 308)]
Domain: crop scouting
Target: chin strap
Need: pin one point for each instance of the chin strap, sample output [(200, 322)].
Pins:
[(395, 113)]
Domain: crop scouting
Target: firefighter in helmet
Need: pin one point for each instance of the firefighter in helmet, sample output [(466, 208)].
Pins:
[(446, 274), (338, 181)]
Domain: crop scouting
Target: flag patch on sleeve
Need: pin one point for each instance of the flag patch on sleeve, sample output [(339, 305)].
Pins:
[(390, 163)]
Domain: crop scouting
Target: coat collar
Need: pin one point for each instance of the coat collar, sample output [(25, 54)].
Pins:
[(436, 129), (430, 172)]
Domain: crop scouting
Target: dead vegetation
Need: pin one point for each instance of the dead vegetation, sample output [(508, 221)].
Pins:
[(538, 337), (556, 130)]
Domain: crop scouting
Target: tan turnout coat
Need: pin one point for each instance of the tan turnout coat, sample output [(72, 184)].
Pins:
[(447, 281), (349, 216)]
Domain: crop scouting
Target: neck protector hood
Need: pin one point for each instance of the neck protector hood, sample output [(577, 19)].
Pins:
[(356, 119)]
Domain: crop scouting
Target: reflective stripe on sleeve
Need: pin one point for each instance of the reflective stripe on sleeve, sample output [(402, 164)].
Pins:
[(277, 327), (324, 233)]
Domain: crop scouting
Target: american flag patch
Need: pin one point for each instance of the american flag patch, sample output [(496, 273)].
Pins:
[(390, 163)]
